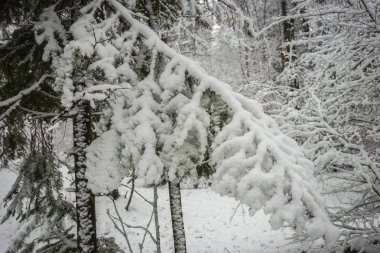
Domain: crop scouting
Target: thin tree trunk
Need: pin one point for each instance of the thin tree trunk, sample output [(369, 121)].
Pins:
[(246, 58), (155, 210), (174, 188), (85, 199), (177, 217), (288, 32), (132, 188), (289, 36)]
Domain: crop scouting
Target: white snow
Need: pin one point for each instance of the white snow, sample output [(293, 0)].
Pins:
[(45, 29), (101, 156), (8, 228), (255, 163), (213, 223)]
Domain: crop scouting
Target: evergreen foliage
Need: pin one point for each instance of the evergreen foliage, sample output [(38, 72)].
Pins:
[(28, 102), (164, 118), (37, 201)]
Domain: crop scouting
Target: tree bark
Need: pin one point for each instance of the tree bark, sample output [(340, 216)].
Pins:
[(177, 217), (85, 199), (288, 31), (289, 36)]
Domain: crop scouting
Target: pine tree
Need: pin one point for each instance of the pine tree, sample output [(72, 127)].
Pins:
[(26, 67), (37, 201)]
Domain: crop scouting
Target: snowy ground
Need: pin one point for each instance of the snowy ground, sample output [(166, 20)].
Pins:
[(212, 223), (8, 228)]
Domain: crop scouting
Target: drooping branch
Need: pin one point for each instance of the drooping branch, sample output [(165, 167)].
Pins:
[(254, 161)]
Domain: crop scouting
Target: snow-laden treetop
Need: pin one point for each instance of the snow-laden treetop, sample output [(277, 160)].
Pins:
[(161, 107)]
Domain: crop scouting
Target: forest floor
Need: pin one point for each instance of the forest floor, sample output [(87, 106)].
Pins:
[(213, 223)]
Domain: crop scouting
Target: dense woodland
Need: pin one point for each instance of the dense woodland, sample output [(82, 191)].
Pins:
[(275, 103)]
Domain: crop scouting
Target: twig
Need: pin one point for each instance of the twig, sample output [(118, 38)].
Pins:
[(123, 232), (232, 216), (150, 202), (132, 189), (131, 226), (141, 245)]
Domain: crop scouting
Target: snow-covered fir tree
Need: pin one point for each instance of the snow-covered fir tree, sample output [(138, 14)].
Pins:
[(164, 117), (27, 103), (157, 122)]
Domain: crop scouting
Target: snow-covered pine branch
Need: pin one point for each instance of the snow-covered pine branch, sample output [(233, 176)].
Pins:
[(27, 91), (35, 199), (158, 123), (46, 29)]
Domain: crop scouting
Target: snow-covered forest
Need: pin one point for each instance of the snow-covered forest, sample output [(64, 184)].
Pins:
[(189, 126)]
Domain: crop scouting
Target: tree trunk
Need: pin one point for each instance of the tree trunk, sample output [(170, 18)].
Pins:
[(132, 188), (156, 222), (288, 32), (177, 217), (85, 199), (289, 36)]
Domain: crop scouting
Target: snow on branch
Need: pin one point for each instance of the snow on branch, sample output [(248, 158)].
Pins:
[(24, 92), (45, 30), (319, 13), (159, 126)]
